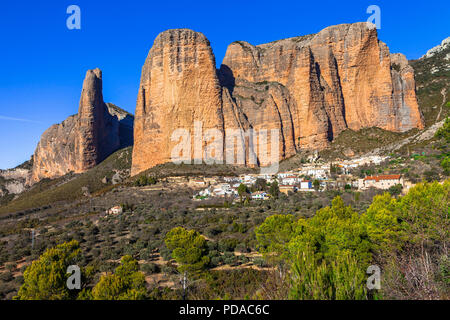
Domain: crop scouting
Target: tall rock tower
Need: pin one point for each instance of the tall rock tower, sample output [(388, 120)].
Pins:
[(98, 131), (179, 86), (83, 140)]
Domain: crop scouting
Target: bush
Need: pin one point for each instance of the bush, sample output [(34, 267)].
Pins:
[(431, 175), (6, 276), (229, 258), (260, 262), (145, 181), (342, 279), (396, 190), (169, 269), (165, 253), (228, 245), (150, 268), (216, 261)]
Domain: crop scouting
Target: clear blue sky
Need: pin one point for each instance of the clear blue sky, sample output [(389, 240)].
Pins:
[(42, 63)]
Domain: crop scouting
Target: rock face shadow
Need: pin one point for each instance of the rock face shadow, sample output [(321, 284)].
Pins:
[(226, 78)]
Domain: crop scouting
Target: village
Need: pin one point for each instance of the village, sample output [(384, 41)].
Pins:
[(314, 176)]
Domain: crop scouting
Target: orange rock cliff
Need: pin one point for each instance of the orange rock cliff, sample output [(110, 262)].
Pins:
[(310, 88)]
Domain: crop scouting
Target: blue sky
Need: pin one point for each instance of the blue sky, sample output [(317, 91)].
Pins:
[(42, 63)]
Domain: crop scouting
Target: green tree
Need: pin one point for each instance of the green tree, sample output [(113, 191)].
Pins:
[(188, 249), (445, 164), (330, 232), (425, 211), (273, 235), (316, 184), (145, 180), (382, 223), (126, 283), (340, 279), (444, 131), (260, 184), (45, 278), (274, 189), (396, 189), (242, 191)]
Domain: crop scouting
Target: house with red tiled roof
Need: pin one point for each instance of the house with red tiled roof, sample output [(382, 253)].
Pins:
[(383, 181)]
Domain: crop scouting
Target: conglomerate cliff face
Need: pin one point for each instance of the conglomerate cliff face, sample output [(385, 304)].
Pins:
[(83, 140), (339, 78), (179, 86), (310, 88)]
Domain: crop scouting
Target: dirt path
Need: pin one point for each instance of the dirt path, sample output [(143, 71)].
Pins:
[(444, 95)]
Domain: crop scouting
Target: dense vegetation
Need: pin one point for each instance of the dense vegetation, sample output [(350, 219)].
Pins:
[(324, 256)]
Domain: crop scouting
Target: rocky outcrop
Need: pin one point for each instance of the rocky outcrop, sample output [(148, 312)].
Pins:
[(406, 114), (126, 124), (310, 88), (179, 86), (261, 106), (445, 44), (339, 78), (83, 140), (13, 181)]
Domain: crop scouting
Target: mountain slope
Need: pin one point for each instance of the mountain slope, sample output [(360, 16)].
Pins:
[(72, 186), (432, 73)]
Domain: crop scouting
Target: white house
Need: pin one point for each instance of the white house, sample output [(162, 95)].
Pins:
[(260, 195), (283, 175), (380, 181), (291, 180), (317, 173), (115, 210), (232, 179), (205, 193), (305, 185)]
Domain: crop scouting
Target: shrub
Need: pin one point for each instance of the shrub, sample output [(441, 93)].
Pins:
[(150, 268)]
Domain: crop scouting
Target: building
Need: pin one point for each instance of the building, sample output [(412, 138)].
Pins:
[(260, 195), (232, 179), (115, 210), (291, 180), (286, 188), (305, 185), (317, 173), (197, 183), (222, 189), (282, 175), (380, 181), (203, 193)]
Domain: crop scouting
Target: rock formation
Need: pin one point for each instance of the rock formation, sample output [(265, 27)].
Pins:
[(83, 140), (339, 78), (178, 86), (310, 88)]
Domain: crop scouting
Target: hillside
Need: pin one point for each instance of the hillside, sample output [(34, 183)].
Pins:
[(432, 73), (13, 181), (73, 186)]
